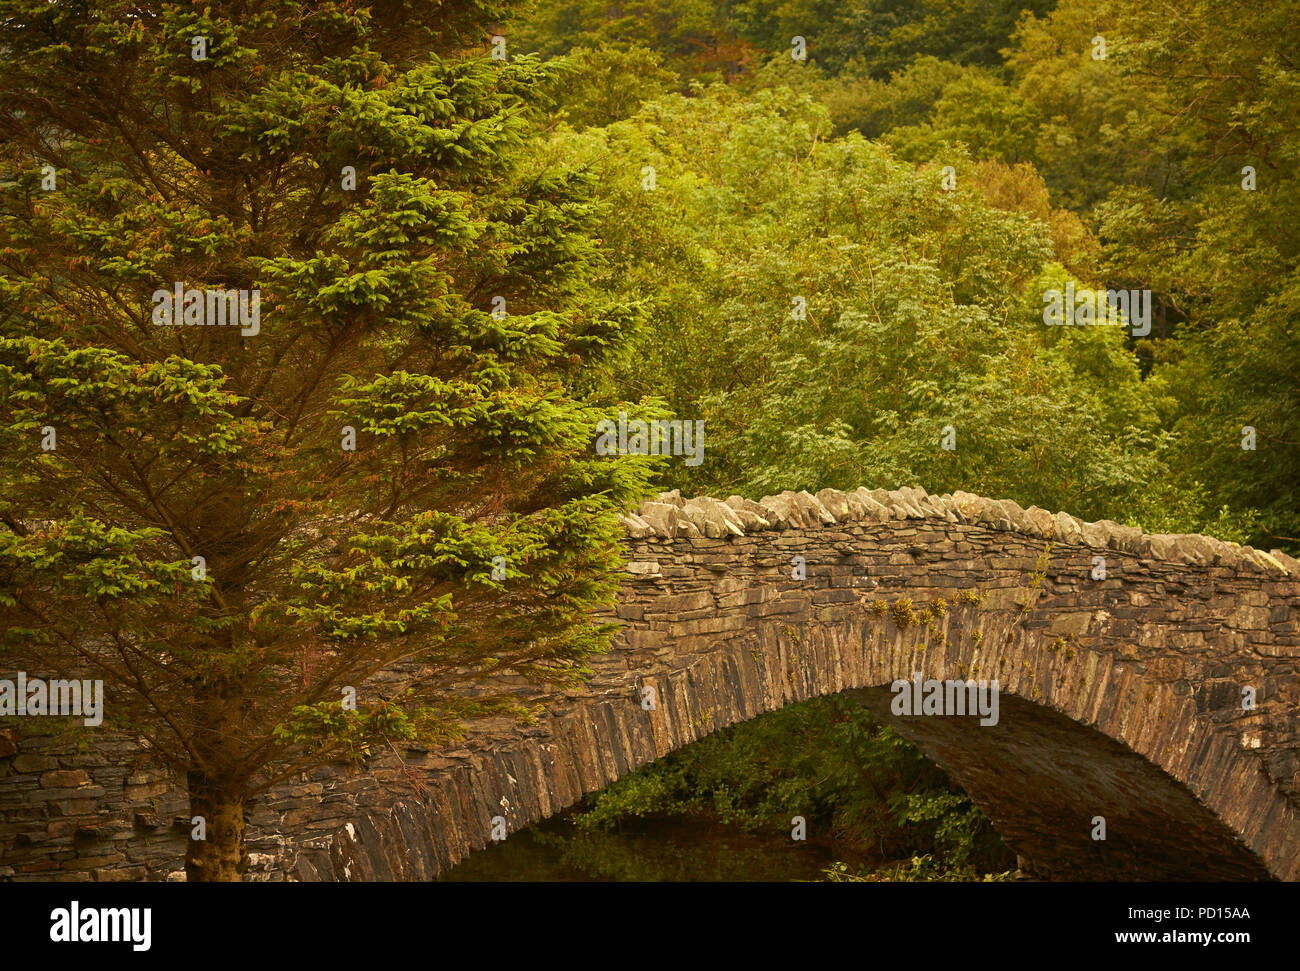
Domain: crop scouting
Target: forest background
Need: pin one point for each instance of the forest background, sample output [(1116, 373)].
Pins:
[(919, 177)]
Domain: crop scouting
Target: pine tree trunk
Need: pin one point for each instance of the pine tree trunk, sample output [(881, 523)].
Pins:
[(221, 856)]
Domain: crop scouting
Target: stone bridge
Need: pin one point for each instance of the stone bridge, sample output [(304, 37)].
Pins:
[(1126, 664)]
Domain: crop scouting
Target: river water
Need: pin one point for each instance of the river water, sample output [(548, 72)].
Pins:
[(676, 848)]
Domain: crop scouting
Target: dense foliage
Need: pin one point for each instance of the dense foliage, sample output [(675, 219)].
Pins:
[(852, 780), (1115, 164)]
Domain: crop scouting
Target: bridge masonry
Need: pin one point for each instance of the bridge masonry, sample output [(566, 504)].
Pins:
[(1122, 698)]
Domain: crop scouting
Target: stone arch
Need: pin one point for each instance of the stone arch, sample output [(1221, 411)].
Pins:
[(1122, 697), (1130, 685)]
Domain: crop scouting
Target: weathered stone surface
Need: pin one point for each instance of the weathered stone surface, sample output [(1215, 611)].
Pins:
[(64, 779), (837, 504), (636, 527), (749, 512), (714, 519), (673, 498), (831, 506), (1014, 514), (876, 511), (664, 518), (814, 512), (903, 500), (1040, 522), (1066, 528), (781, 512), (967, 504), (1121, 698)]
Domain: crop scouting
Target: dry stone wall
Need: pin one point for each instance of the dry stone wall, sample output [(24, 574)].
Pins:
[(1121, 698)]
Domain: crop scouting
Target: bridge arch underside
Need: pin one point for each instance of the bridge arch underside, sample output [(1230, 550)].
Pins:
[(1043, 780), (1120, 698)]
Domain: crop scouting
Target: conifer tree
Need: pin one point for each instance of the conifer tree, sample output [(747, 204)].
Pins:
[(379, 457)]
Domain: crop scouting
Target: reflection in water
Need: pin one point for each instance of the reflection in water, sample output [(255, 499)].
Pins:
[(676, 848)]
